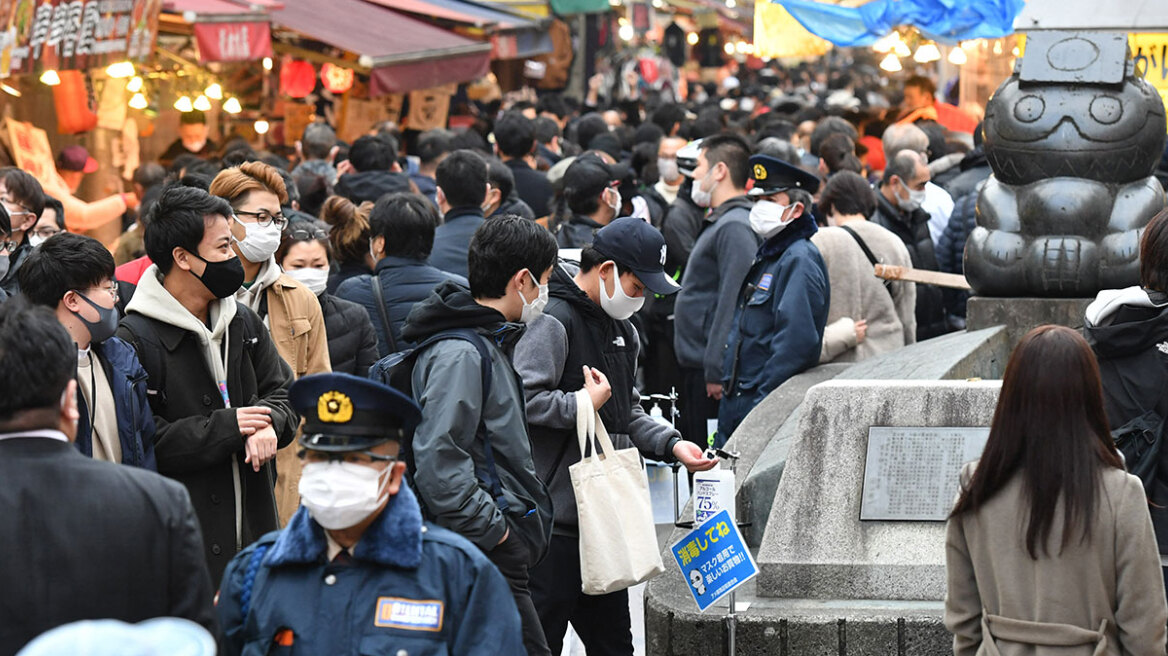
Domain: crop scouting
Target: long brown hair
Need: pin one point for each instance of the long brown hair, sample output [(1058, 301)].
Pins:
[(350, 228), (1050, 428)]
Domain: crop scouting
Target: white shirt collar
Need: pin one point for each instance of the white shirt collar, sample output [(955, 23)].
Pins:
[(47, 433)]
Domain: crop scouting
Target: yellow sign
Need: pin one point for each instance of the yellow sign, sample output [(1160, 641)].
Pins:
[(1149, 51), (334, 408), (778, 34)]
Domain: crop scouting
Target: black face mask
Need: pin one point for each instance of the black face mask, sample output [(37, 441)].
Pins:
[(221, 278), (106, 324)]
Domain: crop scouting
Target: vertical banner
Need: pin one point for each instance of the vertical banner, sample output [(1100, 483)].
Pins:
[(75, 34)]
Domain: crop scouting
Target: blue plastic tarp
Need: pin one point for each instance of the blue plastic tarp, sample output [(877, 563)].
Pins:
[(946, 21)]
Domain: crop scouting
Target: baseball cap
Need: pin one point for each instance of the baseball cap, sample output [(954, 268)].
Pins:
[(76, 158), (588, 175), (640, 247)]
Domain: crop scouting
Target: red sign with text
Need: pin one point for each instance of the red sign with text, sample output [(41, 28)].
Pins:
[(232, 42), (74, 34)]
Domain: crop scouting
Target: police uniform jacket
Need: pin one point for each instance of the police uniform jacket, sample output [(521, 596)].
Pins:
[(412, 588), (781, 313)]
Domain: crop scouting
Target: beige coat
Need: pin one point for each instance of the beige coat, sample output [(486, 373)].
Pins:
[(856, 293), (1101, 597)]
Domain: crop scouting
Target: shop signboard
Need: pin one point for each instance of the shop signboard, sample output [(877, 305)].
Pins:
[(233, 42), (31, 150), (1149, 51), (74, 34)]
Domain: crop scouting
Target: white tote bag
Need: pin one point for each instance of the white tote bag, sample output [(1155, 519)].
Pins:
[(618, 542)]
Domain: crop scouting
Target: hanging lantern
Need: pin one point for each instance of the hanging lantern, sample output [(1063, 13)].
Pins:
[(74, 111), (297, 78), (336, 79)]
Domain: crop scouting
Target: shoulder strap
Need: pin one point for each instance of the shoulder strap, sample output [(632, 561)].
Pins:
[(476, 340), (379, 300), (144, 339), (867, 253), (249, 577)]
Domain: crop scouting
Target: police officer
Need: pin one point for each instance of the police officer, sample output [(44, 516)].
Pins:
[(357, 570), (782, 308)]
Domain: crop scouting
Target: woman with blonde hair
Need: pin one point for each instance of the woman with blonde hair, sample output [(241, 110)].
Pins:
[(349, 237), (1050, 547)]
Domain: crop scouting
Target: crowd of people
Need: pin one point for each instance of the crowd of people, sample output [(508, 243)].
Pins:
[(377, 347)]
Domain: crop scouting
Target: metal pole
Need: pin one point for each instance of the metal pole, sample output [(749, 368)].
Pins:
[(731, 627)]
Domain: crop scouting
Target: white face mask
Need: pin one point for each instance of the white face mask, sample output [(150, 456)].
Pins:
[(913, 202), (615, 202), (194, 146), (342, 494), (667, 168), (533, 309), (260, 243), (314, 279), (619, 306), (36, 240), (766, 218), (699, 195)]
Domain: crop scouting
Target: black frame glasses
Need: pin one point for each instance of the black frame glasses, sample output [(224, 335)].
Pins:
[(264, 219)]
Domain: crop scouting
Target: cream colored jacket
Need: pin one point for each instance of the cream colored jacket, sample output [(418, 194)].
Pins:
[(1102, 597)]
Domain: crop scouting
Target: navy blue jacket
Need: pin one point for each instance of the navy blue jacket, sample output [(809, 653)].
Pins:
[(452, 239), (781, 313), (127, 381), (951, 249), (404, 282), (412, 588)]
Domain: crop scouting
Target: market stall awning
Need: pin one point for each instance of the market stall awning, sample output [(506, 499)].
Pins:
[(399, 52), (224, 30), (512, 36)]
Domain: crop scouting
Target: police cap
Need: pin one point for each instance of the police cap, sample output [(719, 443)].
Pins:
[(346, 413), (772, 175)]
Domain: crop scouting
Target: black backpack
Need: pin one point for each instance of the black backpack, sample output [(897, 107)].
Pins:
[(1140, 441), (397, 370)]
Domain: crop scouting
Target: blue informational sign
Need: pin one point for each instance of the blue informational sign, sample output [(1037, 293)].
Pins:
[(714, 560)]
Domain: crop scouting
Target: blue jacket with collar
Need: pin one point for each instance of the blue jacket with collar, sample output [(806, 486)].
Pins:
[(412, 588), (127, 381), (452, 239), (781, 313), (404, 283)]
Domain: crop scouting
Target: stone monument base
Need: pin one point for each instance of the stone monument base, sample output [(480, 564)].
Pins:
[(1021, 315)]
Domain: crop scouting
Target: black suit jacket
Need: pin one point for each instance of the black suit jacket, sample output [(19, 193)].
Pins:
[(83, 539)]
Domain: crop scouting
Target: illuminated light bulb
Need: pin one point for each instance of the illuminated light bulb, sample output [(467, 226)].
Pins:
[(729, 48), (202, 104), (890, 63), (50, 78), (138, 101), (120, 69), (957, 57), (183, 104), (261, 126), (267, 63), (901, 49), (232, 106), (692, 38), (740, 47), (658, 4), (12, 91), (997, 47), (134, 85), (927, 53), (886, 43), (214, 91), (730, 4), (1016, 51), (626, 32)]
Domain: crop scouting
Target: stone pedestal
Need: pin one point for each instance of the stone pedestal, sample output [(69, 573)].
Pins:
[(1021, 315), (815, 545)]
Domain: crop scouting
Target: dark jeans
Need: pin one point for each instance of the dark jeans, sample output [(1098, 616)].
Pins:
[(695, 407), (511, 558), (733, 409), (601, 621)]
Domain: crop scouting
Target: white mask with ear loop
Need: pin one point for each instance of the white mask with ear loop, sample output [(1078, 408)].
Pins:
[(698, 194), (533, 309), (619, 305), (342, 494)]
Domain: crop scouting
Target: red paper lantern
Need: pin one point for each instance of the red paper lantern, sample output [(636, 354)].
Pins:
[(336, 79), (71, 98), (297, 78)]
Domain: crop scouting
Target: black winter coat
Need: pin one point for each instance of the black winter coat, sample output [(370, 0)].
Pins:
[(951, 249), (197, 440), (87, 540), (352, 342), (913, 230)]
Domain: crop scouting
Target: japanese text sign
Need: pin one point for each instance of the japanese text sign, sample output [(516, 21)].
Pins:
[(232, 42), (1149, 51), (76, 34), (714, 560), (31, 150)]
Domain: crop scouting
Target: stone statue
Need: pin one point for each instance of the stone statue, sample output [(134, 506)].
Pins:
[(1072, 137)]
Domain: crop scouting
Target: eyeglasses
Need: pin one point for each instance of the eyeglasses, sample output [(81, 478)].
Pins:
[(111, 289), (363, 458), (47, 231), (265, 219), (301, 234)]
